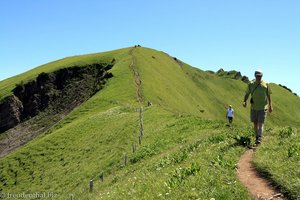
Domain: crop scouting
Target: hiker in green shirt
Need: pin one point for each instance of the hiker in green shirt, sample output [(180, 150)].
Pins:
[(261, 103)]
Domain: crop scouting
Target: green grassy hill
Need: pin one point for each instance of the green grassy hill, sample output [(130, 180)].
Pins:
[(186, 150)]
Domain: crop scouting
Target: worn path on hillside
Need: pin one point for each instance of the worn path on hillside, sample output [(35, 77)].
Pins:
[(26, 131), (137, 77), (258, 186)]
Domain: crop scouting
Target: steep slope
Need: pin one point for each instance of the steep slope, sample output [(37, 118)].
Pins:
[(9, 84), (171, 83), (182, 128), (178, 87)]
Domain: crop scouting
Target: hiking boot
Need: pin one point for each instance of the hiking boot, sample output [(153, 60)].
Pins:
[(258, 140)]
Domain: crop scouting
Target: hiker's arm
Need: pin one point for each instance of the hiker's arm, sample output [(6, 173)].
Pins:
[(245, 100), (247, 93), (269, 98), (270, 103)]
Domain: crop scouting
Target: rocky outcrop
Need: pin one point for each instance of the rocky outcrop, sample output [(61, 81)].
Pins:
[(10, 112), (238, 75), (232, 74), (59, 91), (245, 79)]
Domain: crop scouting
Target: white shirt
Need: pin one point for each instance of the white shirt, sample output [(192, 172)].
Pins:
[(230, 112)]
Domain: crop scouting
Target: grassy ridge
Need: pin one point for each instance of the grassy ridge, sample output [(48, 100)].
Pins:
[(187, 150), (179, 87), (173, 85)]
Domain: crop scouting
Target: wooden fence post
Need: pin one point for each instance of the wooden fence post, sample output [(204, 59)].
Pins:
[(125, 159), (91, 185), (141, 122)]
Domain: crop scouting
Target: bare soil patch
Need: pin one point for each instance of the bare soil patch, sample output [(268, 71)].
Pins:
[(258, 186)]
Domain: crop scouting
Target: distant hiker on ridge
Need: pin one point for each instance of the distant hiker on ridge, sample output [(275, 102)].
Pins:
[(230, 115), (260, 101)]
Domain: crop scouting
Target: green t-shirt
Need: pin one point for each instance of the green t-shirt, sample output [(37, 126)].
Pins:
[(259, 95)]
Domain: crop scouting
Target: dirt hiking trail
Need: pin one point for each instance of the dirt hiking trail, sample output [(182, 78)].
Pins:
[(259, 187)]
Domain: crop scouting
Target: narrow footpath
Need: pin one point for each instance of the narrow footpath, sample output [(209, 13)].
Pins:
[(259, 187), (137, 77)]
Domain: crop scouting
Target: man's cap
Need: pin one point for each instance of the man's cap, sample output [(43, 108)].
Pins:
[(258, 73), (230, 106)]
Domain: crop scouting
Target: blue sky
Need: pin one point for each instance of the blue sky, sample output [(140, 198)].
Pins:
[(243, 35)]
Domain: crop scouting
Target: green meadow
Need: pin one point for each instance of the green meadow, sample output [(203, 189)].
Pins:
[(180, 147)]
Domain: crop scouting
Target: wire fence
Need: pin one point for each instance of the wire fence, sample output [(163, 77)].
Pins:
[(102, 176)]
